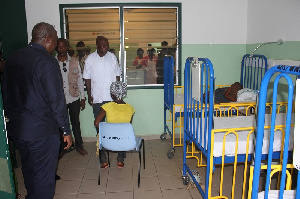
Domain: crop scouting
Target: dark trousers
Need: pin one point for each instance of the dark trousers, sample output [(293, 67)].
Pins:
[(102, 154), (74, 111), (39, 162)]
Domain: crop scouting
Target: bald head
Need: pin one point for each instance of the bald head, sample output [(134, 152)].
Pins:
[(45, 35), (41, 30)]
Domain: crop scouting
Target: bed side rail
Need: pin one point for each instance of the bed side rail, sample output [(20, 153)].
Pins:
[(253, 69), (276, 72), (169, 81), (198, 101)]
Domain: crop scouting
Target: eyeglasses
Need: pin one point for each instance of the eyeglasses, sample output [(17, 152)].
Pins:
[(64, 67)]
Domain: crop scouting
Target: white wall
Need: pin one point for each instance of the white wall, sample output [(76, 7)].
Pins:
[(203, 21), (210, 22), (214, 21), (269, 20)]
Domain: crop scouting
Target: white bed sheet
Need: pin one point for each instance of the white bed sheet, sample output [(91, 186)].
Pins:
[(247, 121), (273, 194), (179, 100)]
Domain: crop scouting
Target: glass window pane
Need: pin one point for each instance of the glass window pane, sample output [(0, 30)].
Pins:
[(149, 31), (86, 24), (149, 35)]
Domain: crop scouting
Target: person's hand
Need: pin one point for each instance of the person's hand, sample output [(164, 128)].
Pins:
[(96, 124), (69, 140), (90, 100), (82, 104)]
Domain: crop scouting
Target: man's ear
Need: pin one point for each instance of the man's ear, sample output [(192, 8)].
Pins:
[(47, 39)]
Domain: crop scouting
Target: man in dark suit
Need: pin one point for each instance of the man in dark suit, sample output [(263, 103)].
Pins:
[(35, 105)]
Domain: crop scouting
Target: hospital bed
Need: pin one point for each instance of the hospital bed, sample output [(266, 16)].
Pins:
[(262, 172), (220, 140), (252, 70)]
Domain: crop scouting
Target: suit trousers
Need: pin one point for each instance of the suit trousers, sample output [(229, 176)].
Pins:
[(39, 162)]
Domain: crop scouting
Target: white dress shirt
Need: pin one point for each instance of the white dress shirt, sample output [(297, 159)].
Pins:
[(102, 71), (69, 98)]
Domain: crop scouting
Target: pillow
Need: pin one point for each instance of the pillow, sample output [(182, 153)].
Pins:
[(246, 94)]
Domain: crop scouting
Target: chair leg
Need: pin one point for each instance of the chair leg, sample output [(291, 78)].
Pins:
[(143, 152), (139, 174), (99, 167)]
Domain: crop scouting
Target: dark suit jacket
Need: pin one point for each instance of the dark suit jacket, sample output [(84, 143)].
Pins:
[(33, 95)]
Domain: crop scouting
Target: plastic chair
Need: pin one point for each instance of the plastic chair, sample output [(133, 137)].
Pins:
[(120, 137)]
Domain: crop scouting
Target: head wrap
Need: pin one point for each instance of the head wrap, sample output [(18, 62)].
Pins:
[(118, 89)]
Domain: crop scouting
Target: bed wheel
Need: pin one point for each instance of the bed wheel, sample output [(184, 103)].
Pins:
[(171, 153), (163, 136), (185, 180)]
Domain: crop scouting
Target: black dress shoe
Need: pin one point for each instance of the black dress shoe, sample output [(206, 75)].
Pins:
[(57, 177)]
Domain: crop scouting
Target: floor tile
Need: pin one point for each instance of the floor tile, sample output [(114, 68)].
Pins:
[(168, 170), (195, 193), (149, 171), (123, 195), (119, 185), (91, 186), (72, 173), (90, 196), (67, 186), (125, 172), (93, 162), (147, 184), (177, 194), (162, 177), (93, 173), (78, 162), (66, 196), (142, 194), (171, 182)]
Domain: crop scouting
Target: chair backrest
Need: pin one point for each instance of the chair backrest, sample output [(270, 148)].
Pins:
[(117, 136)]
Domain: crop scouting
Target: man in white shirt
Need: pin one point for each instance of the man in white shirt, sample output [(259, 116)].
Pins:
[(73, 89), (101, 69)]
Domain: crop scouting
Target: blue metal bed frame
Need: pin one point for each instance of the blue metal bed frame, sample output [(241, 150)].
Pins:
[(168, 92), (194, 109), (281, 71), (191, 113), (169, 100), (252, 70)]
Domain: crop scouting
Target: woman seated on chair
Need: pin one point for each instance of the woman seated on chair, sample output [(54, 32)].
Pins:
[(116, 111)]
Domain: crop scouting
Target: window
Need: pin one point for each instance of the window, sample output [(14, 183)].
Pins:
[(140, 35)]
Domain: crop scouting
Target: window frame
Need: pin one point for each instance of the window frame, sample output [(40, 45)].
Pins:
[(121, 6)]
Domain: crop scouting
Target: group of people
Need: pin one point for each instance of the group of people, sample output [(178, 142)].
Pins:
[(154, 66), (41, 92)]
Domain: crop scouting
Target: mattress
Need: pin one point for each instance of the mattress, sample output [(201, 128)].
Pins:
[(246, 121), (179, 100), (274, 194)]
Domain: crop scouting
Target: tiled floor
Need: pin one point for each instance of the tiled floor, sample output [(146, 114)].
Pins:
[(161, 179)]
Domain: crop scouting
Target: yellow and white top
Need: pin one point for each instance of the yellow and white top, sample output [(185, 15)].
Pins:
[(118, 113)]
